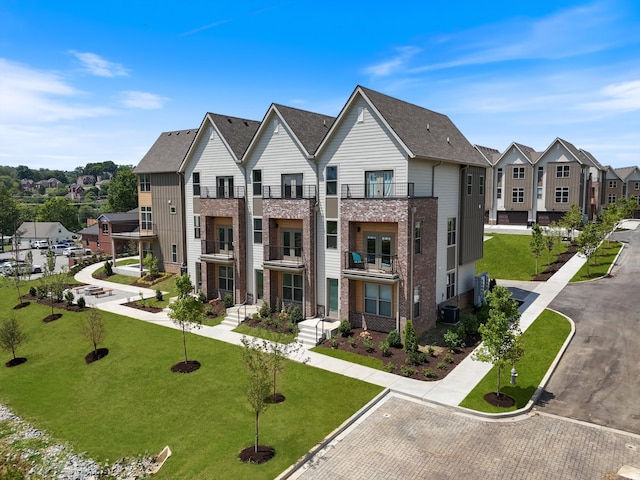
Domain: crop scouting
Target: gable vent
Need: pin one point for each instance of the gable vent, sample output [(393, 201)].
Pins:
[(229, 120), (428, 129)]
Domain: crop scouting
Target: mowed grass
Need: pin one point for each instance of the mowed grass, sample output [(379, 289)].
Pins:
[(508, 257), (130, 403), (600, 262), (542, 342)]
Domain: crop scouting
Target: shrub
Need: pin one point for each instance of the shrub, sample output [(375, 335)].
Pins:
[(202, 296), (427, 372), (471, 324), (410, 339), (41, 291), (442, 366), (483, 314), (384, 348), (430, 351), (352, 342), (389, 367), (296, 315), (108, 268), (81, 302), (368, 344), (407, 370), (228, 301), (417, 357), (278, 305), (69, 297), (32, 291), (451, 339), (158, 295), (393, 338), (345, 328), (265, 310), (448, 359), (333, 341)]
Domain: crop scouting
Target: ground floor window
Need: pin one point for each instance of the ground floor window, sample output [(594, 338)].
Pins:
[(259, 284), (451, 284), (198, 276), (291, 288), (174, 253), (378, 299), (332, 297), (416, 302), (147, 249), (225, 278)]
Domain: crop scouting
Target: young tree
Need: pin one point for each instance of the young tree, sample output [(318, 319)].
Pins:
[(550, 243), (184, 285), (59, 209), (186, 313), (151, 264), (588, 241), (21, 271), (49, 278), (11, 336), (9, 215), (257, 363), (627, 207), (123, 191), (500, 334), (410, 339), (92, 329), (572, 220), (537, 243), (278, 354)]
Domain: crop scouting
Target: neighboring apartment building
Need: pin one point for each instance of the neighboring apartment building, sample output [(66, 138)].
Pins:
[(111, 232), (630, 179), (491, 156), (161, 201), (530, 186), (376, 216), (612, 186)]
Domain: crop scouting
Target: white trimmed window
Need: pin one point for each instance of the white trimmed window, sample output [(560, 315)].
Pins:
[(145, 183), (196, 226), (332, 234), (518, 172), (562, 171), (378, 299), (562, 194), (517, 195)]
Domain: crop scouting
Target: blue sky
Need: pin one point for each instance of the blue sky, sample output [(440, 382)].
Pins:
[(93, 81)]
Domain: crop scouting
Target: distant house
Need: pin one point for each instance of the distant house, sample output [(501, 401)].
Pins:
[(76, 192), (98, 236), (50, 183), (52, 232), (86, 180), (27, 184)]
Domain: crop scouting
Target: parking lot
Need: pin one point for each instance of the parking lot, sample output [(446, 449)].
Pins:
[(39, 258)]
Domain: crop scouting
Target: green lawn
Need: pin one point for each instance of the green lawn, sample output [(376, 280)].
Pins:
[(266, 334), (542, 342), (508, 257), (599, 263), (168, 285), (130, 403), (350, 357)]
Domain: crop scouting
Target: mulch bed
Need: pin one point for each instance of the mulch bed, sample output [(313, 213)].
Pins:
[(186, 367), (272, 327), (557, 265), (275, 398), (96, 355), (399, 357), (503, 400), (21, 305), (146, 308), (146, 282), (264, 454), (14, 362), (51, 318)]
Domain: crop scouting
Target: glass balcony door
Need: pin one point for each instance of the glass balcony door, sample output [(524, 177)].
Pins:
[(379, 250), (225, 239), (291, 243), (379, 183)]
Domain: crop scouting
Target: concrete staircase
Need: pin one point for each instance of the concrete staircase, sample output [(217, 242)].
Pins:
[(237, 313), (312, 331)]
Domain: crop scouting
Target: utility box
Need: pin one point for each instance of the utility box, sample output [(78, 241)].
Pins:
[(451, 314)]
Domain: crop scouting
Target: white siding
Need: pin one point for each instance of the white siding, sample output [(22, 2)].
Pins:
[(447, 189)]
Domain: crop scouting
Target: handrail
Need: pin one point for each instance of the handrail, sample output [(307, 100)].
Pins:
[(316, 334)]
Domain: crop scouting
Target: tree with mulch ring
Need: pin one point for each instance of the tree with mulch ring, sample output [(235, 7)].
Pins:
[(499, 400), (11, 337), (186, 313), (93, 330), (52, 318), (259, 366), (21, 305)]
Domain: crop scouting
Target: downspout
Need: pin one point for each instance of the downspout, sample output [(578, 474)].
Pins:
[(413, 252)]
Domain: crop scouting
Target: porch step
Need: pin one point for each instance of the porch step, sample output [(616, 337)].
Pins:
[(311, 331), (237, 313)]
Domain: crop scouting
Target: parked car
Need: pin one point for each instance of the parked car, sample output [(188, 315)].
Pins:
[(12, 267), (67, 241), (40, 244), (73, 251), (58, 249)]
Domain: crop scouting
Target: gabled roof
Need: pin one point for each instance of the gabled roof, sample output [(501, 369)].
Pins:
[(422, 133), (40, 229), (308, 128), (610, 171), (489, 154), (120, 217), (592, 159), (167, 153), (527, 152), (90, 230), (625, 172), (578, 156)]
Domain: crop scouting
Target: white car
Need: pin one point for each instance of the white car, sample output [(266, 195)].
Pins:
[(73, 251), (40, 244), (12, 267), (58, 249)]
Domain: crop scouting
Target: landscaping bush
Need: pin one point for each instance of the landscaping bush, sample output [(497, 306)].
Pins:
[(389, 367), (352, 342), (265, 310), (345, 328), (430, 351), (407, 370), (32, 291), (296, 315), (367, 341), (228, 301), (158, 295), (384, 348), (333, 341), (393, 338), (41, 291), (471, 324), (81, 302), (452, 340), (69, 297), (108, 268), (410, 339), (417, 357), (427, 372), (442, 366), (202, 296)]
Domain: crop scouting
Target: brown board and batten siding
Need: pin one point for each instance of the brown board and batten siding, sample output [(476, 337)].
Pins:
[(511, 183), (573, 182), (471, 214), (167, 193)]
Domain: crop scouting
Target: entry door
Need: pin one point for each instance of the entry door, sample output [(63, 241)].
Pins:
[(225, 187), (379, 250), (291, 243), (225, 239)]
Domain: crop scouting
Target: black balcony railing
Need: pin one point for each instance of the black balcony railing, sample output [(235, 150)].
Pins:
[(289, 191), (377, 190), (217, 248), (222, 192), (279, 253), (372, 263)]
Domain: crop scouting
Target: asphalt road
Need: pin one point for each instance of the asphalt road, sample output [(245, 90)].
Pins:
[(598, 378)]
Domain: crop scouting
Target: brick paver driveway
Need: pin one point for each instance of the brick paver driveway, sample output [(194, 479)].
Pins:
[(597, 379), (402, 439)]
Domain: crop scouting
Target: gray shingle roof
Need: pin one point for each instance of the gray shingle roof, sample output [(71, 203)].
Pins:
[(528, 152), (121, 217), (167, 153), (237, 132), (90, 230), (309, 127), (490, 154), (624, 172), (425, 133), (40, 229), (591, 158)]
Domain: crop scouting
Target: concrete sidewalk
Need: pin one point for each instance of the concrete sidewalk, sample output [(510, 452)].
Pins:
[(449, 391)]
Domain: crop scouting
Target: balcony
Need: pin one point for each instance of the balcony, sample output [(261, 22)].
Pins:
[(144, 232), (222, 192), (289, 192), (360, 265), (214, 251), (278, 257), (377, 190)]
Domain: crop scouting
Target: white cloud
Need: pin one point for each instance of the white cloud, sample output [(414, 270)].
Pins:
[(96, 65), (35, 96), (394, 65), (618, 97), (204, 27), (143, 100)]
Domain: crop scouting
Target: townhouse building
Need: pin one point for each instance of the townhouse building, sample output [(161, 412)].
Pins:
[(375, 216), (630, 180), (161, 199)]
